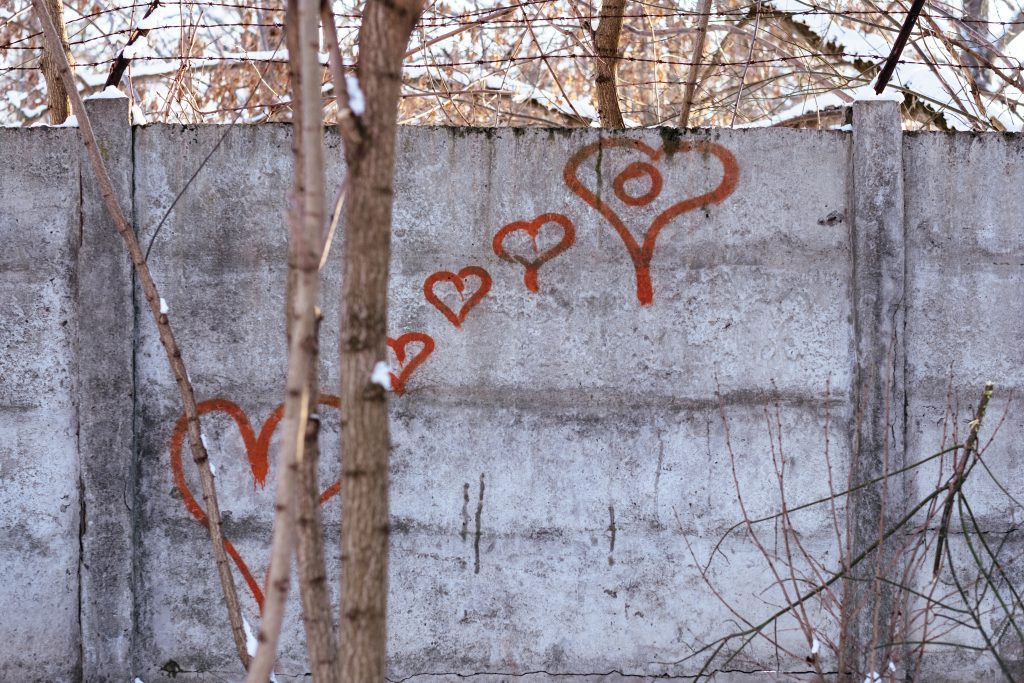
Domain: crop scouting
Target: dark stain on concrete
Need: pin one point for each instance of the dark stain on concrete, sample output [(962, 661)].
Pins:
[(476, 538), (612, 529), (465, 511)]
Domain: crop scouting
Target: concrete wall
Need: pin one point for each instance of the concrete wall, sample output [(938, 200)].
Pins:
[(560, 453), (40, 485)]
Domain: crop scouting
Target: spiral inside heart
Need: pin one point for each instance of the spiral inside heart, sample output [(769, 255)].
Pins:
[(641, 173)]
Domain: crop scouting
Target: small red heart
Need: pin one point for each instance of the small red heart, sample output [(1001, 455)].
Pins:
[(641, 254), (459, 282), (256, 451), (532, 228), (406, 369)]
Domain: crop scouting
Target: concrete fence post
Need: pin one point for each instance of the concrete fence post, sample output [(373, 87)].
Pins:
[(878, 289), (106, 324)]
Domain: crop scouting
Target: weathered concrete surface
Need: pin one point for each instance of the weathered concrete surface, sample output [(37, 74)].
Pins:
[(564, 459), (106, 406), (39, 478), (879, 284), (222, 249), (553, 450), (965, 323)]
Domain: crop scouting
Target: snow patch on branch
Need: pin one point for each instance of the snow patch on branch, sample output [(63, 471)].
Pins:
[(140, 48), (151, 22), (251, 644)]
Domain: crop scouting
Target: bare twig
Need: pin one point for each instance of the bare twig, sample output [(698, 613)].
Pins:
[(956, 482), (349, 124), (121, 63), (897, 48)]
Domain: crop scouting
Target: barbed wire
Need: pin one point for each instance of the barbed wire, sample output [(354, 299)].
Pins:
[(504, 40), (435, 64)]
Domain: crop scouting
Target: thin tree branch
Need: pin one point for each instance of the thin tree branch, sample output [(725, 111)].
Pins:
[(349, 124), (304, 280)]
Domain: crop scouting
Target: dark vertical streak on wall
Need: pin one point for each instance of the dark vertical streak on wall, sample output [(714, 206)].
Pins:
[(476, 538), (611, 530), (465, 511)]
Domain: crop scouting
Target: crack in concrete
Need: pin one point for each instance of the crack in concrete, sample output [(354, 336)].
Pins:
[(657, 475), (611, 672), (465, 511), (611, 529)]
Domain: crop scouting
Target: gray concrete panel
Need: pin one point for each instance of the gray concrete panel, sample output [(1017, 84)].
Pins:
[(39, 468)]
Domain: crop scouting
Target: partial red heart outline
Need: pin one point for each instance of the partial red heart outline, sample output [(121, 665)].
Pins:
[(642, 255), (256, 451), (458, 280), (532, 228), (406, 369)]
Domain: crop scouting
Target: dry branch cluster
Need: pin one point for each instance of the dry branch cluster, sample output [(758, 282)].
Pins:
[(949, 575), (550, 62)]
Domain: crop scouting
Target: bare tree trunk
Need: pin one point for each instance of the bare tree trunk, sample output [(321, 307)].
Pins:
[(698, 54), (365, 443), (174, 359), (306, 225), (606, 45), (321, 640), (59, 105)]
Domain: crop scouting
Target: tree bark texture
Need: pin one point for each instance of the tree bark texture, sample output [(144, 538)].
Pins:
[(211, 515), (606, 45), (365, 442), (57, 93)]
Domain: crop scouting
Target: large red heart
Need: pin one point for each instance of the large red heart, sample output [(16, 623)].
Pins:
[(532, 228), (458, 280), (256, 451), (641, 254), (405, 369)]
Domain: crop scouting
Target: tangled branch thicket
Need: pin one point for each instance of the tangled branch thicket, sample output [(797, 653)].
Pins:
[(951, 572), (535, 62)]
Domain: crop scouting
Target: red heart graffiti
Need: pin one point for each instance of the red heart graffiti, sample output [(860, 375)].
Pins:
[(256, 451), (532, 228), (641, 254), (406, 368), (459, 282)]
